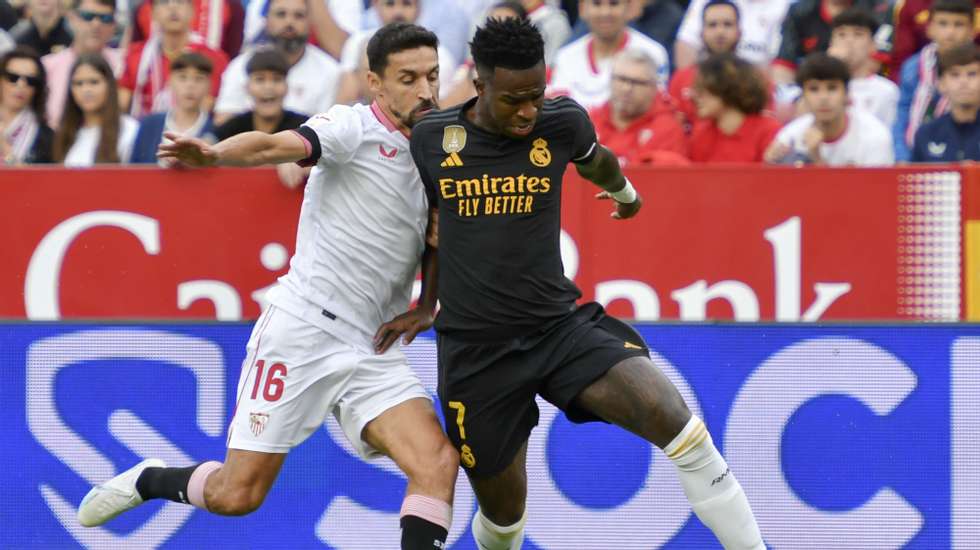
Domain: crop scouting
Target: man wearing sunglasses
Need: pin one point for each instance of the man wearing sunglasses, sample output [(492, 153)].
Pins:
[(93, 24)]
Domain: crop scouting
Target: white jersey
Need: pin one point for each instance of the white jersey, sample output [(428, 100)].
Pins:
[(311, 84), (355, 48), (578, 74), (361, 227), (347, 14), (876, 95), (865, 142), (759, 20)]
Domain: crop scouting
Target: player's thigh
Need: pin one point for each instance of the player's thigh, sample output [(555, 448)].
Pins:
[(487, 393), (410, 434), (503, 496)]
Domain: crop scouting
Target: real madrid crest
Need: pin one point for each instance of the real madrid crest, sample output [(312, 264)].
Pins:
[(453, 138), (540, 155)]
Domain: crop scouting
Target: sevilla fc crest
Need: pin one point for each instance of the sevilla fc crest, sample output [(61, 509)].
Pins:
[(257, 422)]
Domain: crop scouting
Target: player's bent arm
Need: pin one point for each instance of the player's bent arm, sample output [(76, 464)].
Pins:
[(603, 170), (257, 148)]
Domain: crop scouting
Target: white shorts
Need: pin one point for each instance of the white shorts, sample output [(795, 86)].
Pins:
[(295, 374)]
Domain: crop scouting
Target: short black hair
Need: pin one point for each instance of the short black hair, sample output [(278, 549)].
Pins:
[(397, 37), (512, 5), (820, 66), (729, 3), (514, 44), (192, 60), (267, 59), (960, 7), (960, 55), (855, 17)]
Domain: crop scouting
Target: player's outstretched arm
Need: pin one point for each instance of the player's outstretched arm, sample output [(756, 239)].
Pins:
[(603, 170), (246, 149)]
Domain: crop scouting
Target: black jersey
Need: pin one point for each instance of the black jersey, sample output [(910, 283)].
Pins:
[(499, 200)]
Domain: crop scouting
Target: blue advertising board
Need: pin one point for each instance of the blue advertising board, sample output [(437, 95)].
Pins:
[(842, 436)]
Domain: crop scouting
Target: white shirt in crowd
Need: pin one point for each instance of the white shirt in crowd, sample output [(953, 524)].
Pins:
[(82, 152), (876, 95), (759, 20), (355, 48), (361, 227), (312, 84), (346, 13), (578, 74), (865, 142)]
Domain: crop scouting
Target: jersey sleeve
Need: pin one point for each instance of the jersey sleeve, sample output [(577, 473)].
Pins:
[(416, 147), (332, 137), (584, 140)]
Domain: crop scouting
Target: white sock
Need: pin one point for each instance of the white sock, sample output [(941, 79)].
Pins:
[(714, 493), (490, 536)]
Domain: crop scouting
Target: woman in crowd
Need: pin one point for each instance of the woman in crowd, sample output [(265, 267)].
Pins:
[(92, 130), (730, 95), (24, 136)]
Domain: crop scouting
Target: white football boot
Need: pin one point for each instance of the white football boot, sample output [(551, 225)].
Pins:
[(115, 496)]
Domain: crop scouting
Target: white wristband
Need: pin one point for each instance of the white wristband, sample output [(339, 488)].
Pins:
[(626, 195)]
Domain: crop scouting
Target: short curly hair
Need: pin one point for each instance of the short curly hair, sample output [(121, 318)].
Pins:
[(738, 83), (509, 43)]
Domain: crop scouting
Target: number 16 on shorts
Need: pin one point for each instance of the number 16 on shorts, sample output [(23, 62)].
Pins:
[(465, 453)]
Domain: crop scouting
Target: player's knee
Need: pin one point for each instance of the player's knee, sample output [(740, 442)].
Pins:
[(509, 513), (446, 464), (237, 501)]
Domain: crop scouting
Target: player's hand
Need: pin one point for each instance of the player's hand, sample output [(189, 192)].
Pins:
[(407, 325), (291, 174), (623, 210), (186, 151)]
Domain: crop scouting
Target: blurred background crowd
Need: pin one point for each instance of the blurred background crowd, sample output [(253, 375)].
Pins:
[(831, 82)]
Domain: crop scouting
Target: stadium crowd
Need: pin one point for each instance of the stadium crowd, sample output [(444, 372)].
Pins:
[(823, 82)]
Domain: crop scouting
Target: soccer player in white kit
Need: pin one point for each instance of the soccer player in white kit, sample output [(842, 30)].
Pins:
[(317, 349)]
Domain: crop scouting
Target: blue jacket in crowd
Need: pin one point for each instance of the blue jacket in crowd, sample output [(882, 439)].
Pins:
[(945, 140), (150, 135)]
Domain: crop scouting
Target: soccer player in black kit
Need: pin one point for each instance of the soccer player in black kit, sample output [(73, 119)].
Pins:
[(509, 327)]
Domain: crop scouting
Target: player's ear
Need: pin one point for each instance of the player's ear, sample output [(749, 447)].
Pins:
[(374, 82), (480, 85)]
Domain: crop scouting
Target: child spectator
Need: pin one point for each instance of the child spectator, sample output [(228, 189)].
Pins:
[(143, 86), (730, 94), (190, 83), (267, 87), (831, 134), (950, 26), (639, 123), (852, 41), (219, 23), (92, 129), (954, 136), (24, 136), (93, 23)]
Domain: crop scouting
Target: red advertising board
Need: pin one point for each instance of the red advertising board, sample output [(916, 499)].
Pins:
[(710, 243)]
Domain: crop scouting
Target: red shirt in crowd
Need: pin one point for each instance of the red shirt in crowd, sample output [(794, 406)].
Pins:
[(657, 130), (153, 83), (911, 19), (747, 144), (227, 35), (681, 90)]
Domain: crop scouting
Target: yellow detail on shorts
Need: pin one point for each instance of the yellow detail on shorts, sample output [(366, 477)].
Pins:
[(631, 345), (466, 456), (452, 161), (460, 415), (540, 155)]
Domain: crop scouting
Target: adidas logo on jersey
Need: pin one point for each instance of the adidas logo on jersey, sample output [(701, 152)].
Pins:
[(452, 161)]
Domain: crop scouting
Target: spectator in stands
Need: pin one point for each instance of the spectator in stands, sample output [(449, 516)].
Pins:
[(730, 94), (553, 24), (226, 35), (190, 84), (45, 30), (639, 123), (657, 19), (8, 15), (911, 19), (92, 129), (852, 41), (143, 86), (582, 68), (806, 29), (830, 133), (353, 58), (24, 136), (950, 25), (313, 75), (331, 23), (6, 42), (759, 23), (445, 18), (720, 33), (93, 24), (954, 136)]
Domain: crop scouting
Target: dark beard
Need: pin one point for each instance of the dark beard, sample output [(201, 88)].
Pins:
[(290, 45)]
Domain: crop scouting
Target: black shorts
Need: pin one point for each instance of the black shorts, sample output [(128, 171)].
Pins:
[(487, 390)]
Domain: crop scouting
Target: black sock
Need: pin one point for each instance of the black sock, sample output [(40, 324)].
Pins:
[(168, 483), (418, 534)]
